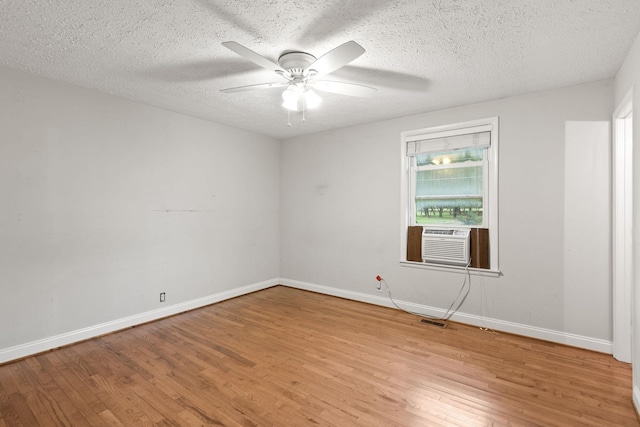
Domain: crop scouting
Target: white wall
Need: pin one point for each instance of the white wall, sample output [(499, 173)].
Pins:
[(340, 217), (106, 203), (628, 78)]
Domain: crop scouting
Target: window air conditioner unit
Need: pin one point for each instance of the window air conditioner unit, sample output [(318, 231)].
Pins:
[(446, 245)]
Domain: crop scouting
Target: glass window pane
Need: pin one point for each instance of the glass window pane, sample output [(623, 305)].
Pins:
[(449, 192), (460, 181)]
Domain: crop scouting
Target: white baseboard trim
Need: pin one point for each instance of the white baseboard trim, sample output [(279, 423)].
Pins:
[(38, 346), (636, 398), (573, 340), (34, 347)]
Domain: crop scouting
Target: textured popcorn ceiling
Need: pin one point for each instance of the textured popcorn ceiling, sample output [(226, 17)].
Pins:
[(422, 55)]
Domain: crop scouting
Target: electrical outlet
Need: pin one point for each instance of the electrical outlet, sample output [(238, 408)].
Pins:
[(162, 296)]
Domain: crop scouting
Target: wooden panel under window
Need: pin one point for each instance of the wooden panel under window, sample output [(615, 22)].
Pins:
[(414, 243), (480, 248)]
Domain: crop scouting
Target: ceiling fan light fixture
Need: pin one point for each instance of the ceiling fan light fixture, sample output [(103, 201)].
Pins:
[(295, 94), (290, 104), (290, 98), (311, 99)]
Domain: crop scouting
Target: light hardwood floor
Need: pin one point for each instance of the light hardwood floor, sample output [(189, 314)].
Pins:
[(285, 357)]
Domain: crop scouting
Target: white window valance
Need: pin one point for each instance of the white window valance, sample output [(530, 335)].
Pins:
[(476, 137)]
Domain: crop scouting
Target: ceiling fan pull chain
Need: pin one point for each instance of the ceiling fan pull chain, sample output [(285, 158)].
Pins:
[(288, 118)]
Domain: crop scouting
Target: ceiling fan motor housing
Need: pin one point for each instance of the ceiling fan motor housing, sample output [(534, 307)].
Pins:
[(296, 62)]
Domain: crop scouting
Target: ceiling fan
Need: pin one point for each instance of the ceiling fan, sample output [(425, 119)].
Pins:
[(300, 71)]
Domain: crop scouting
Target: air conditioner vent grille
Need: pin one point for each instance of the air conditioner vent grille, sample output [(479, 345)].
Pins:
[(447, 246)]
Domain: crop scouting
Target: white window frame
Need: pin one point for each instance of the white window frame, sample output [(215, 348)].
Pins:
[(490, 205)]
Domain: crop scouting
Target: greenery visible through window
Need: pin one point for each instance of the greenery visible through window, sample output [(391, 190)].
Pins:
[(449, 187)]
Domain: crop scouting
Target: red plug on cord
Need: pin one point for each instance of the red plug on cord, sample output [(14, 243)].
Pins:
[(378, 278)]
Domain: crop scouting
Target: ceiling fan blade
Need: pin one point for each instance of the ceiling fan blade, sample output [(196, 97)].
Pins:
[(336, 58), (341, 88), (252, 87), (252, 56)]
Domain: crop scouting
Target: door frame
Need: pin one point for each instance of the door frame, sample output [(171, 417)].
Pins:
[(622, 229)]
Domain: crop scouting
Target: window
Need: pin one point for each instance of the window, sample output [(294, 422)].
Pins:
[(450, 179)]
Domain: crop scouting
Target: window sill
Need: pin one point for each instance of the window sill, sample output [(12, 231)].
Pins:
[(451, 268)]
